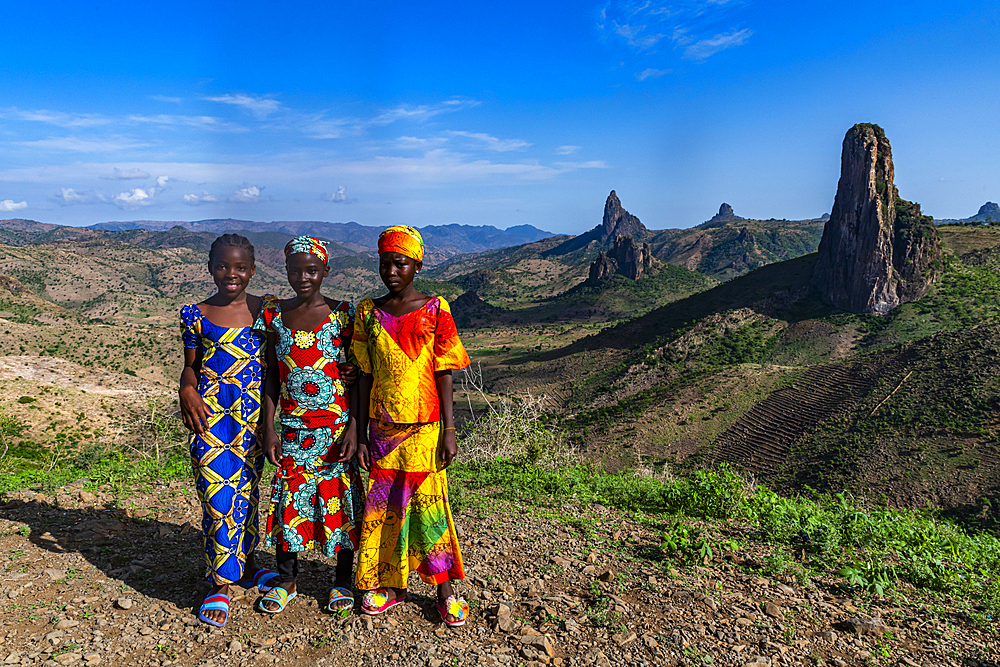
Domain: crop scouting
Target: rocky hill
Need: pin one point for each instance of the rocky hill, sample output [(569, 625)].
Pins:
[(988, 213), (724, 247), (877, 249), (141, 275), (442, 240)]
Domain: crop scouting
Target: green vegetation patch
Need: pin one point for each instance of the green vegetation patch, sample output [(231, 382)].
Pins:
[(871, 548)]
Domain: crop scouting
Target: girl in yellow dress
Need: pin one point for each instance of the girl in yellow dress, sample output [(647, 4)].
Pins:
[(406, 346)]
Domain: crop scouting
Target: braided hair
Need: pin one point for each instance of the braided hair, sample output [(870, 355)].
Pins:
[(234, 240)]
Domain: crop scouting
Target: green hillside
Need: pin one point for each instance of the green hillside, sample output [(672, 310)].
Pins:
[(760, 372)]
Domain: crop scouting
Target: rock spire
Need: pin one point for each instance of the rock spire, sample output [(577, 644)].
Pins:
[(877, 250), (618, 221), (626, 257)]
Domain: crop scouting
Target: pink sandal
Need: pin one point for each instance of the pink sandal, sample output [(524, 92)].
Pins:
[(377, 601), (455, 607)]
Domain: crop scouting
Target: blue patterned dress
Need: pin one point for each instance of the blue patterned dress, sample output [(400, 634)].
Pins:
[(228, 458)]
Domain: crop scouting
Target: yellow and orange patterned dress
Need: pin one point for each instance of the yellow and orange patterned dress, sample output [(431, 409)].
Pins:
[(407, 521)]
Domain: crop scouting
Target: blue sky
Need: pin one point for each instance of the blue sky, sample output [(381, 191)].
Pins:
[(498, 113)]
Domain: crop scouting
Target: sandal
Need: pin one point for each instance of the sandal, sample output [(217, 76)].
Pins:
[(377, 601), (260, 580), (455, 607), (214, 602), (341, 600), (278, 595)]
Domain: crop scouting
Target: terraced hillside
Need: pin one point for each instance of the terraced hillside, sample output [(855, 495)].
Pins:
[(762, 438)]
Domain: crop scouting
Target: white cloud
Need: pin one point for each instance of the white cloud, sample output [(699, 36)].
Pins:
[(162, 180), (567, 150), (421, 112), (76, 144), (590, 164), (339, 197), (318, 126), (248, 195), (164, 98), (11, 205), (197, 200), (697, 26), (709, 47), (415, 143), (211, 123), (69, 196), (125, 174), (492, 143), (444, 166), (261, 107), (633, 34), (650, 73), (57, 118), (134, 199)]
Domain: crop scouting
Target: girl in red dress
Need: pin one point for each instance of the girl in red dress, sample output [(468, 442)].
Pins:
[(316, 495)]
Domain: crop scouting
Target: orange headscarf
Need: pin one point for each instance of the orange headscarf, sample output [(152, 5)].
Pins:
[(402, 239)]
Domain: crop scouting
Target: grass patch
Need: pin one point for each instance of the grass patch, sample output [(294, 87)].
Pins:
[(870, 548)]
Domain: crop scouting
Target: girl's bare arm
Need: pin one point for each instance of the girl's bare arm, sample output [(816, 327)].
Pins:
[(449, 444), (194, 412)]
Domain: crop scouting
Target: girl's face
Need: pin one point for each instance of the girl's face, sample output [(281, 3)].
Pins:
[(397, 270), (231, 269), (305, 273)]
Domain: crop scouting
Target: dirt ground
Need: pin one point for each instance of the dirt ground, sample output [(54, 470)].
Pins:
[(90, 579)]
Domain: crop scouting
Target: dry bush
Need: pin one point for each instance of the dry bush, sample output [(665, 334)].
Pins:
[(511, 428), (148, 426)]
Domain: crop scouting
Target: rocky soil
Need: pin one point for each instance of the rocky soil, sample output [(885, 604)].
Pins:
[(90, 579)]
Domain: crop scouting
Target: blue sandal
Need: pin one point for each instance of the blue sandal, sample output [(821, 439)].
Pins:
[(278, 595), (260, 580), (341, 600), (216, 602)]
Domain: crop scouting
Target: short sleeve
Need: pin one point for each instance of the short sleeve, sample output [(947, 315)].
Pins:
[(269, 307), (359, 338), (449, 353), (191, 326)]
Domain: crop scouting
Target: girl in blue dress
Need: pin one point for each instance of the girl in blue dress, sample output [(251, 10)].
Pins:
[(220, 400)]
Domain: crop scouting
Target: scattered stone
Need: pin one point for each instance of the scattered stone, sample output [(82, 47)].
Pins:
[(54, 574), (624, 638), (66, 624), (875, 627), (540, 643), (124, 603)]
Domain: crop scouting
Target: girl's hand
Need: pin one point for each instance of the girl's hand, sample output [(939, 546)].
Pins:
[(348, 445), (272, 446), (449, 448), (193, 410), (363, 457), (348, 372)]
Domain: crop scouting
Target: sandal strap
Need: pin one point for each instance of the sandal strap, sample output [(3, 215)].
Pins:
[(456, 607), (277, 594), (263, 576), (219, 601)]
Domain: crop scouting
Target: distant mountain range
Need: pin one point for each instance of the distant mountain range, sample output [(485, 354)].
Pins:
[(444, 240), (988, 212)]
